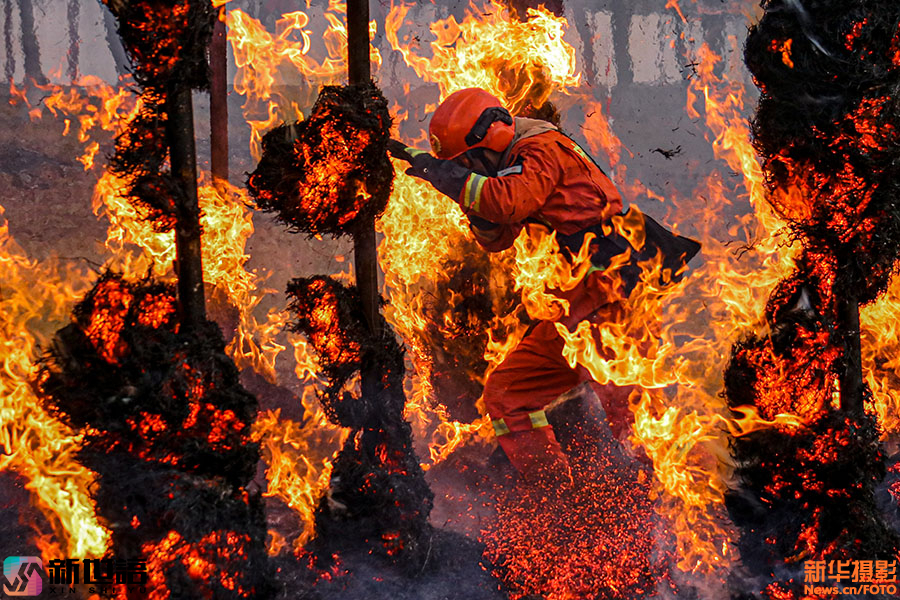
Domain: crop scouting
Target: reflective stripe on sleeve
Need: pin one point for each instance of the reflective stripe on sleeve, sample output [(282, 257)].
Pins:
[(500, 427), (472, 194)]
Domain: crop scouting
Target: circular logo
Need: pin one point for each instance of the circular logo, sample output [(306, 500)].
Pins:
[(435, 144)]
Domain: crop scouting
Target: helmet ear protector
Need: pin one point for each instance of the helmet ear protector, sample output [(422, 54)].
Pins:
[(488, 117)]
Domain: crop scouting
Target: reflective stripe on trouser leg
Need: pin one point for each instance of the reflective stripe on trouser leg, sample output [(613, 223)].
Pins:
[(500, 427), (537, 418)]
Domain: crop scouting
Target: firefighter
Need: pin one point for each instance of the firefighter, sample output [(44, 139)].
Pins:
[(508, 173)]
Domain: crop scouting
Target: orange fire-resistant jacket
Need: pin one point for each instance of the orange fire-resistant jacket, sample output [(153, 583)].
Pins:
[(544, 176)]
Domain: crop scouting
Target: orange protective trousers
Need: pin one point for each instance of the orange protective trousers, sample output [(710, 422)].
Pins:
[(535, 373)]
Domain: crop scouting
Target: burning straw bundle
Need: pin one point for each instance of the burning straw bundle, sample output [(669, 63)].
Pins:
[(167, 430), (166, 42), (381, 489), (329, 173), (828, 131), (142, 372)]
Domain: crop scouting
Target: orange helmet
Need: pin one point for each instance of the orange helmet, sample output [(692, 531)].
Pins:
[(470, 118)]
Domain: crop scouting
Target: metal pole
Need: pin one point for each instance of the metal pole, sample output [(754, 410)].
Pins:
[(358, 67), (188, 261), (852, 378), (364, 248), (218, 101)]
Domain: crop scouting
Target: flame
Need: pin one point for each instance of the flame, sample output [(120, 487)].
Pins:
[(518, 61), (95, 105), (268, 65), (227, 224), (681, 422), (881, 347), (299, 456), (722, 298), (522, 63), (37, 299)]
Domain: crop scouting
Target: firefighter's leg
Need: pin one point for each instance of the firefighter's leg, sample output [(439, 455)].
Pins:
[(531, 377), (615, 403)]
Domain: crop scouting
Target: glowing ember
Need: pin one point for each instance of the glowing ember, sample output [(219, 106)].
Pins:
[(166, 41)]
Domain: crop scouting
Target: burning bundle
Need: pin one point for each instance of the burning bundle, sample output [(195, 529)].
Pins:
[(143, 373), (330, 316), (166, 427), (166, 42), (827, 131), (378, 485), (329, 173)]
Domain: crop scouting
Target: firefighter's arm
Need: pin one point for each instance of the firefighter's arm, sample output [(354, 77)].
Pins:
[(516, 192), (509, 198)]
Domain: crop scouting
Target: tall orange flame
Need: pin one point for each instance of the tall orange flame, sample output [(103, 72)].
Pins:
[(268, 65), (36, 300)]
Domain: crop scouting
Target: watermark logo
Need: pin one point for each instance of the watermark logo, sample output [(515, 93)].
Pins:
[(23, 576), (834, 576)]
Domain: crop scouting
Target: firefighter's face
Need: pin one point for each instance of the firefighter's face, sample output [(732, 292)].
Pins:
[(480, 160)]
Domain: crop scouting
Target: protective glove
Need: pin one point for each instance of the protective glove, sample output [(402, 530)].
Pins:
[(445, 176), (481, 223)]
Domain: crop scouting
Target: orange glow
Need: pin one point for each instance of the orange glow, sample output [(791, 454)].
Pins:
[(785, 49), (37, 299), (517, 61), (268, 66), (203, 561)]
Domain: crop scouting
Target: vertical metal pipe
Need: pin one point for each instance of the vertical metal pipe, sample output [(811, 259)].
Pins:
[(364, 248), (852, 377), (188, 258), (358, 67), (218, 101)]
